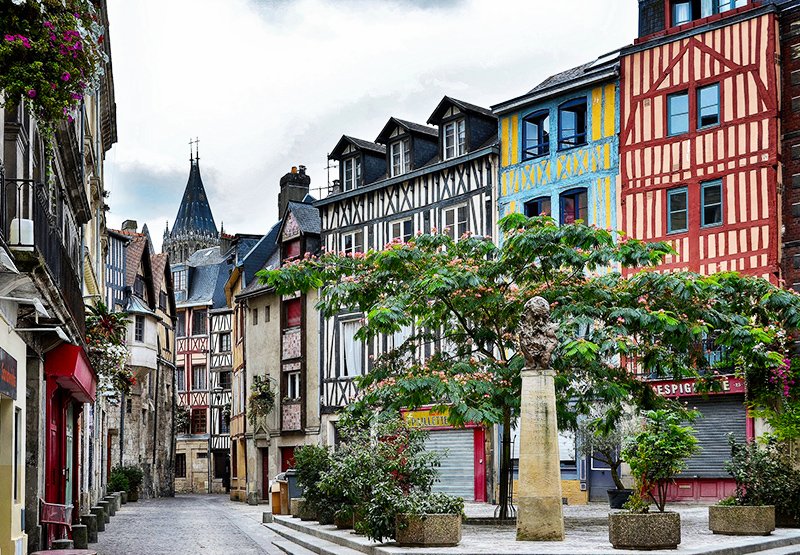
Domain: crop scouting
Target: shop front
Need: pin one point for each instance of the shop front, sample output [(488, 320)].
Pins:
[(70, 383), (463, 453), (721, 413)]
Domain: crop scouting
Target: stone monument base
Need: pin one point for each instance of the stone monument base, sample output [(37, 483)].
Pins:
[(544, 520)]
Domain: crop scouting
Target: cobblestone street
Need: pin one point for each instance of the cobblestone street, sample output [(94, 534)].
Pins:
[(186, 525)]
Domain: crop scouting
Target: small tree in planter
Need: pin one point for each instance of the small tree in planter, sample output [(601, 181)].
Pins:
[(311, 462), (655, 454), (134, 476), (765, 484)]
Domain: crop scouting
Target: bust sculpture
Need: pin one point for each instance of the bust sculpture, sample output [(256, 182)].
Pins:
[(537, 334)]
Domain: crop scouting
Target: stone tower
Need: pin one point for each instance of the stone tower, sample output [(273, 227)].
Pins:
[(194, 226)]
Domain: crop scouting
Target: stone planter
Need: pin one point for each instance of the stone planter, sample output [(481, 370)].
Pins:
[(741, 520), (124, 496), (305, 512), (343, 523), (644, 530), (325, 517), (618, 497), (295, 504), (783, 520), (133, 495), (428, 530)]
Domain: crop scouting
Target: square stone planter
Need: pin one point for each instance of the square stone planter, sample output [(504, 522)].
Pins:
[(741, 520), (295, 505), (644, 531), (343, 522), (427, 530)]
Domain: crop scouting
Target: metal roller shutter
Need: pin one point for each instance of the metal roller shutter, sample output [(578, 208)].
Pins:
[(720, 417), (457, 472)]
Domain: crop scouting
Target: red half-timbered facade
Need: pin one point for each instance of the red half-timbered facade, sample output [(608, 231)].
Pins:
[(700, 167)]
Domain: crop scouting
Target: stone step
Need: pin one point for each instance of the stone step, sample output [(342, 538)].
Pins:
[(789, 550), (310, 542), (291, 548)]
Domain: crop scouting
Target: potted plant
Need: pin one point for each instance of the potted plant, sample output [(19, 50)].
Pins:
[(311, 462), (343, 518), (655, 455), (429, 520), (601, 439), (764, 479), (118, 481), (135, 476)]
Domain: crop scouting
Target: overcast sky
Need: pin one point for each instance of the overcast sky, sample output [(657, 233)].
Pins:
[(268, 84)]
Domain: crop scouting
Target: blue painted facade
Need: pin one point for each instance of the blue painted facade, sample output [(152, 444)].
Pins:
[(565, 171)]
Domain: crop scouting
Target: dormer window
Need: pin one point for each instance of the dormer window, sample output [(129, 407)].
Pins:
[(400, 157), (455, 139), (351, 173), (684, 11)]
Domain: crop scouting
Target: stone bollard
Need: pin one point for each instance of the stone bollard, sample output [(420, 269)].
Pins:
[(62, 544), (90, 521), (97, 511), (118, 499), (104, 506), (80, 536), (112, 505), (124, 497)]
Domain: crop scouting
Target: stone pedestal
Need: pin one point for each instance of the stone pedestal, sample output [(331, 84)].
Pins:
[(106, 515), (112, 504), (62, 544), (90, 521), (80, 536), (539, 514), (99, 513)]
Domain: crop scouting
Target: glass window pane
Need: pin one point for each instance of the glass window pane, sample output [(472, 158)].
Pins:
[(707, 7), (708, 105), (678, 113), (681, 12), (712, 203), (678, 213)]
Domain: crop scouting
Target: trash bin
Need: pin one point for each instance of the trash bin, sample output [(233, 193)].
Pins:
[(294, 489), (275, 499)]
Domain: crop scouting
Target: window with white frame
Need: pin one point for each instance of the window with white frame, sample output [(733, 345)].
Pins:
[(402, 229), (351, 350), (351, 173), (353, 242), (455, 139), (400, 157), (293, 385), (456, 221), (179, 280)]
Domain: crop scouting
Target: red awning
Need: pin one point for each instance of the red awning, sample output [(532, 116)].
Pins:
[(70, 367)]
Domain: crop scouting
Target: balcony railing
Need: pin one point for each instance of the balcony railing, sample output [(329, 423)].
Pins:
[(29, 223)]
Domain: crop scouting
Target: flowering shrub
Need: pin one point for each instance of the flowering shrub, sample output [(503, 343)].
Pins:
[(105, 339), (51, 53)]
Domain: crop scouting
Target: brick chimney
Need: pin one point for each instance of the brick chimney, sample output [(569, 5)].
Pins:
[(294, 188), (130, 225)]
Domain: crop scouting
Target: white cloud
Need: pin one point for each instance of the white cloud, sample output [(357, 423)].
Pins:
[(271, 84)]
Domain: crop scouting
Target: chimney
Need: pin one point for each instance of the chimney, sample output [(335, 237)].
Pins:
[(294, 188), (130, 225)]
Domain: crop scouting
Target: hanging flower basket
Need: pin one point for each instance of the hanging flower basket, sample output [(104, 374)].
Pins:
[(262, 399)]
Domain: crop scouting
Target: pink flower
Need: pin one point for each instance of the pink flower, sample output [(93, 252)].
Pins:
[(76, 96), (32, 93), (48, 24), (10, 38), (65, 76)]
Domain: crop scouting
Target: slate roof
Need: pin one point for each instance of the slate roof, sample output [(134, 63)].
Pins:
[(358, 143), (410, 126), (441, 108), (194, 213), (254, 260), (307, 218)]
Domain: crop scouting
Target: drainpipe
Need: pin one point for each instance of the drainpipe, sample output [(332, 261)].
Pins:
[(121, 427), (155, 415)]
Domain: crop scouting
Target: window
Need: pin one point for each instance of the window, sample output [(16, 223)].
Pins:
[(708, 106), (400, 157), (167, 342), (536, 134), (220, 465), (454, 139), (254, 316), (179, 280), (351, 349), (711, 194), (294, 312), (351, 173), (180, 378), (353, 242), (138, 328), (677, 210), (180, 324), (681, 11), (456, 221), (293, 385), (198, 377), (180, 465), (225, 379), (138, 286), (224, 425), (266, 313), (402, 229), (199, 322), (572, 123), (678, 113), (199, 423), (162, 300), (574, 205), (684, 11), (224, 342), (291, 249), (537, 207)]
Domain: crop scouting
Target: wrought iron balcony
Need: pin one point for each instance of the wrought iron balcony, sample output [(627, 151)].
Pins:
[(40, 233)]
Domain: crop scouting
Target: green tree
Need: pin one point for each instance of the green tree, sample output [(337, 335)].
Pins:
[(469, 295)]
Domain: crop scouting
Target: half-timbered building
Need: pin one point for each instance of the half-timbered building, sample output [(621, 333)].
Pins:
[(699, 162), (559, 156), (413, 178)]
